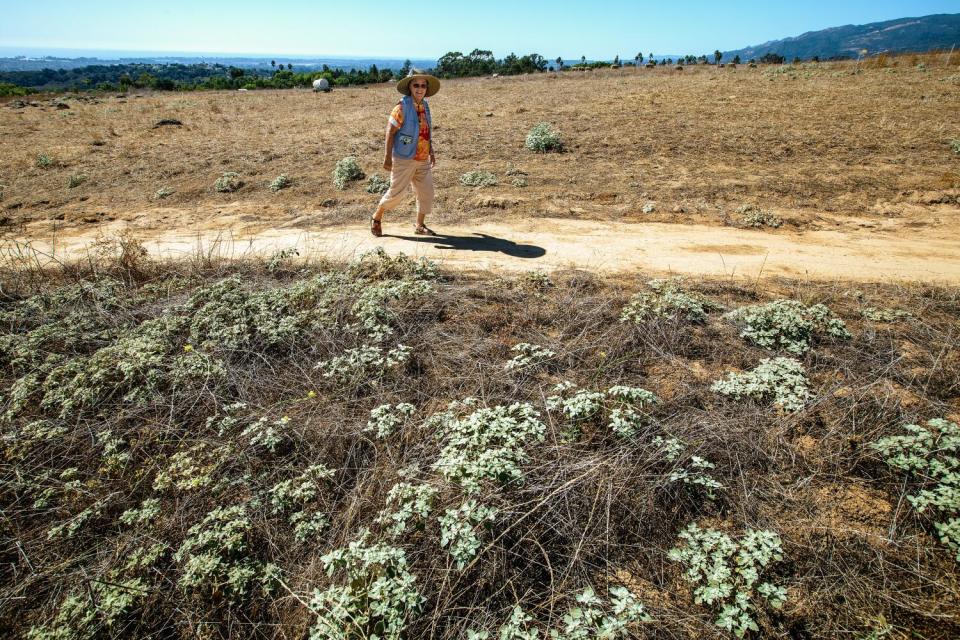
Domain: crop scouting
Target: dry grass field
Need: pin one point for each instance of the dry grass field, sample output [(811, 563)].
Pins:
[(306, 447), (820, 145)]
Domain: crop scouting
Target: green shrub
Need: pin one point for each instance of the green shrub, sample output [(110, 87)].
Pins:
[(955, 145), (575, 404), (364, 363), (163, 192), (486, 443), (587, 618), (280, 182), (932, 455), (787, 324), (408, 502), (753, 216), (458, 530), (228, 182), (478, 179), (667, 300), (44, 161), (376, 599), (529, 356), (78, 618), (7, 89), (781, 380), (378, 184), (884, 315), (725, 573), (694, 471), (386, 418), (544, 138), (280, 257), (76, 180), (297, 496), (214, 557), (346, 171), (624, 407)]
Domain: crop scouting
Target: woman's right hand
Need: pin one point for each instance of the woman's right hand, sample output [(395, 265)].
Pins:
[(388, 164)]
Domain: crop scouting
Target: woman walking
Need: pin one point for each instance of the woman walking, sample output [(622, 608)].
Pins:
[(409, 153)]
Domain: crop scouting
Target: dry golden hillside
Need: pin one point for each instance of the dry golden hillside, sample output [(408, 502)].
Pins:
[(816, 144)]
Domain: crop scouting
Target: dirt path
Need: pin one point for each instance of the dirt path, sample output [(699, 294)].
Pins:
[(921, 254)]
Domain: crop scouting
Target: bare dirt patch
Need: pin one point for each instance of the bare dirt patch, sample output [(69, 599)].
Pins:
[(853, 254)]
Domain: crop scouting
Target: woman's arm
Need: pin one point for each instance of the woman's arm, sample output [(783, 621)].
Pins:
[(388, 152)]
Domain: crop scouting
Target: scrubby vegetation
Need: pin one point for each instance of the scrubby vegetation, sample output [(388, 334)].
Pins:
[(378, 184), (227, 183), (282, 181), (347, 170), (544, 138), (478, 179), (292, 449)]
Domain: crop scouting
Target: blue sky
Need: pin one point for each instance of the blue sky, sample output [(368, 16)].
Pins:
[(597, 29)]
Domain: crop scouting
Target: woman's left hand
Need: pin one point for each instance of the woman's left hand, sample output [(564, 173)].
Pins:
[(433, 160)]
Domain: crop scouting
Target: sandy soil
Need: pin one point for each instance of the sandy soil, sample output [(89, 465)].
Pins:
[(896, 253)]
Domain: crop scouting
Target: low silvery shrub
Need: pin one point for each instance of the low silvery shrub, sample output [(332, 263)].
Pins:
[(458, 530), (478, 179), (190, 469), (280, 182), (932, 455), (694, 471), (386, 418), (485, 443), (528, 356), (622, 405), (667, 299), (587, 618), (884, 315), (543, 138), (376, 599), (725, 573), (346, 171), (214, 558), (377, 184), (782, 380), (228, 182), (406, 502), (296, 497), (787, 324), (753, 216), (364, 363)]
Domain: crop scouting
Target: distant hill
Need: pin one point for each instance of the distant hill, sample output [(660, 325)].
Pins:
[(941, 31)]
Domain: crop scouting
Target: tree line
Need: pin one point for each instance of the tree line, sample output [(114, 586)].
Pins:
[(192, 77)]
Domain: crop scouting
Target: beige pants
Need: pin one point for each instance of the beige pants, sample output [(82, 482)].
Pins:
[(410, 172)]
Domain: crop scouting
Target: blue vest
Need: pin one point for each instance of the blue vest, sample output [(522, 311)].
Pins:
[(405, 140)]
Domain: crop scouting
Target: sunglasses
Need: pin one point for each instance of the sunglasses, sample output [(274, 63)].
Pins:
[(419, 86)]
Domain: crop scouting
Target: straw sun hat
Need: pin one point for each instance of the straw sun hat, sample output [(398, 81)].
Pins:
[(433, 84)]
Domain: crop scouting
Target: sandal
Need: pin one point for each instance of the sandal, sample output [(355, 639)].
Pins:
[(375, 227), (424, 230)]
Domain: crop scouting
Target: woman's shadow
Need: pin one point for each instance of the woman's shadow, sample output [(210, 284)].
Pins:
[(480, 242)]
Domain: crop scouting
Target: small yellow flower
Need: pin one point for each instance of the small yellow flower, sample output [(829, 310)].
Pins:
[(285, 419), (188, 348), (311, 394), (603, 354)]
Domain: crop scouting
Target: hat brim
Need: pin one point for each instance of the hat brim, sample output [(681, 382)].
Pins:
[(433, 84)]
